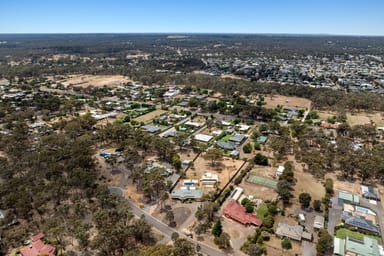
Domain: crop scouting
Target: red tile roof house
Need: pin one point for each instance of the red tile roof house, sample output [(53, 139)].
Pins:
[(37, 247), (237, 212)]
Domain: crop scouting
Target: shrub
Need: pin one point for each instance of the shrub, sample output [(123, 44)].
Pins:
[(261, 159), (286, 244), (247, 148)]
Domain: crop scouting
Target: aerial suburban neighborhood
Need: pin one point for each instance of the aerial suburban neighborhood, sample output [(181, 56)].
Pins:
[(191, 144)]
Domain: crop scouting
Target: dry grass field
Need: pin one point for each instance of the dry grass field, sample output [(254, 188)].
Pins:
[(366, 118), (96, 81), (286, 101)]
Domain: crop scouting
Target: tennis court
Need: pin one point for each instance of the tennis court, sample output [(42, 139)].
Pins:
[(262, 181)]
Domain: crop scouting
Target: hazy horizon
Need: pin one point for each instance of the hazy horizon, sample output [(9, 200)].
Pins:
[(327, 17)]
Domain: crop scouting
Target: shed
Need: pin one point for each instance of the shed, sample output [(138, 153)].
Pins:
[(262, 139), (234, 153), (338, 246), (236, 193), (318, 222), (301, 218), (280, 170), (348, 197)]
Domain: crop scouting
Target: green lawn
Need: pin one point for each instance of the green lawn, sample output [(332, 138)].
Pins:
[(343, 232), (226, 138), (261, 210)]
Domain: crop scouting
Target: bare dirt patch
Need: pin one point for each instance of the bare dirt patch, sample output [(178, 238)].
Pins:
[(287, 101), (343, 185), (149, 116), (96, 81), (131, 193), (325, 114), (187, 154), (232, 77), (237, 231), (225, 169), (274, 247), (181, 214)]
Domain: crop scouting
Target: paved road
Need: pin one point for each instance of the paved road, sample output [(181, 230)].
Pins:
[(163, 228)]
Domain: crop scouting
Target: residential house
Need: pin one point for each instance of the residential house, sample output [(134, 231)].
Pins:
[(38, 247), (184, 194), (225, 145), (203, 137), (359, 222), (237, 139), (287, 231), (237, 212), (295, 232), (150, 128)]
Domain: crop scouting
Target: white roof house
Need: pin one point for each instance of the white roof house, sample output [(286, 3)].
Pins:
[(194, 124), (203, 137)]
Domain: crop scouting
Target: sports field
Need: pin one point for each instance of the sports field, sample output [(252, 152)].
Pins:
[(262, 181)]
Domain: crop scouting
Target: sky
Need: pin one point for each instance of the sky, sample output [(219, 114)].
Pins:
[(340, 17)]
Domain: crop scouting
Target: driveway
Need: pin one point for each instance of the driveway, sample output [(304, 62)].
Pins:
[(334, 217), (308, 248)]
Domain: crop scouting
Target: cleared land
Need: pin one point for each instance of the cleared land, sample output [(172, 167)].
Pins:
[(286, 101), (96, 81), (149, 116), (258, 192), (225, 169), (366, 118)]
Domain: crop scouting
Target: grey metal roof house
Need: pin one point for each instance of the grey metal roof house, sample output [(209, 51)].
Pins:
[(292, 232), (225, 145), (183, 194), (150, 128), (359, 222), (237, 139)]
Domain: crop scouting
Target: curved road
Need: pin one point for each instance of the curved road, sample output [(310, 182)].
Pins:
[(163, 228)]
